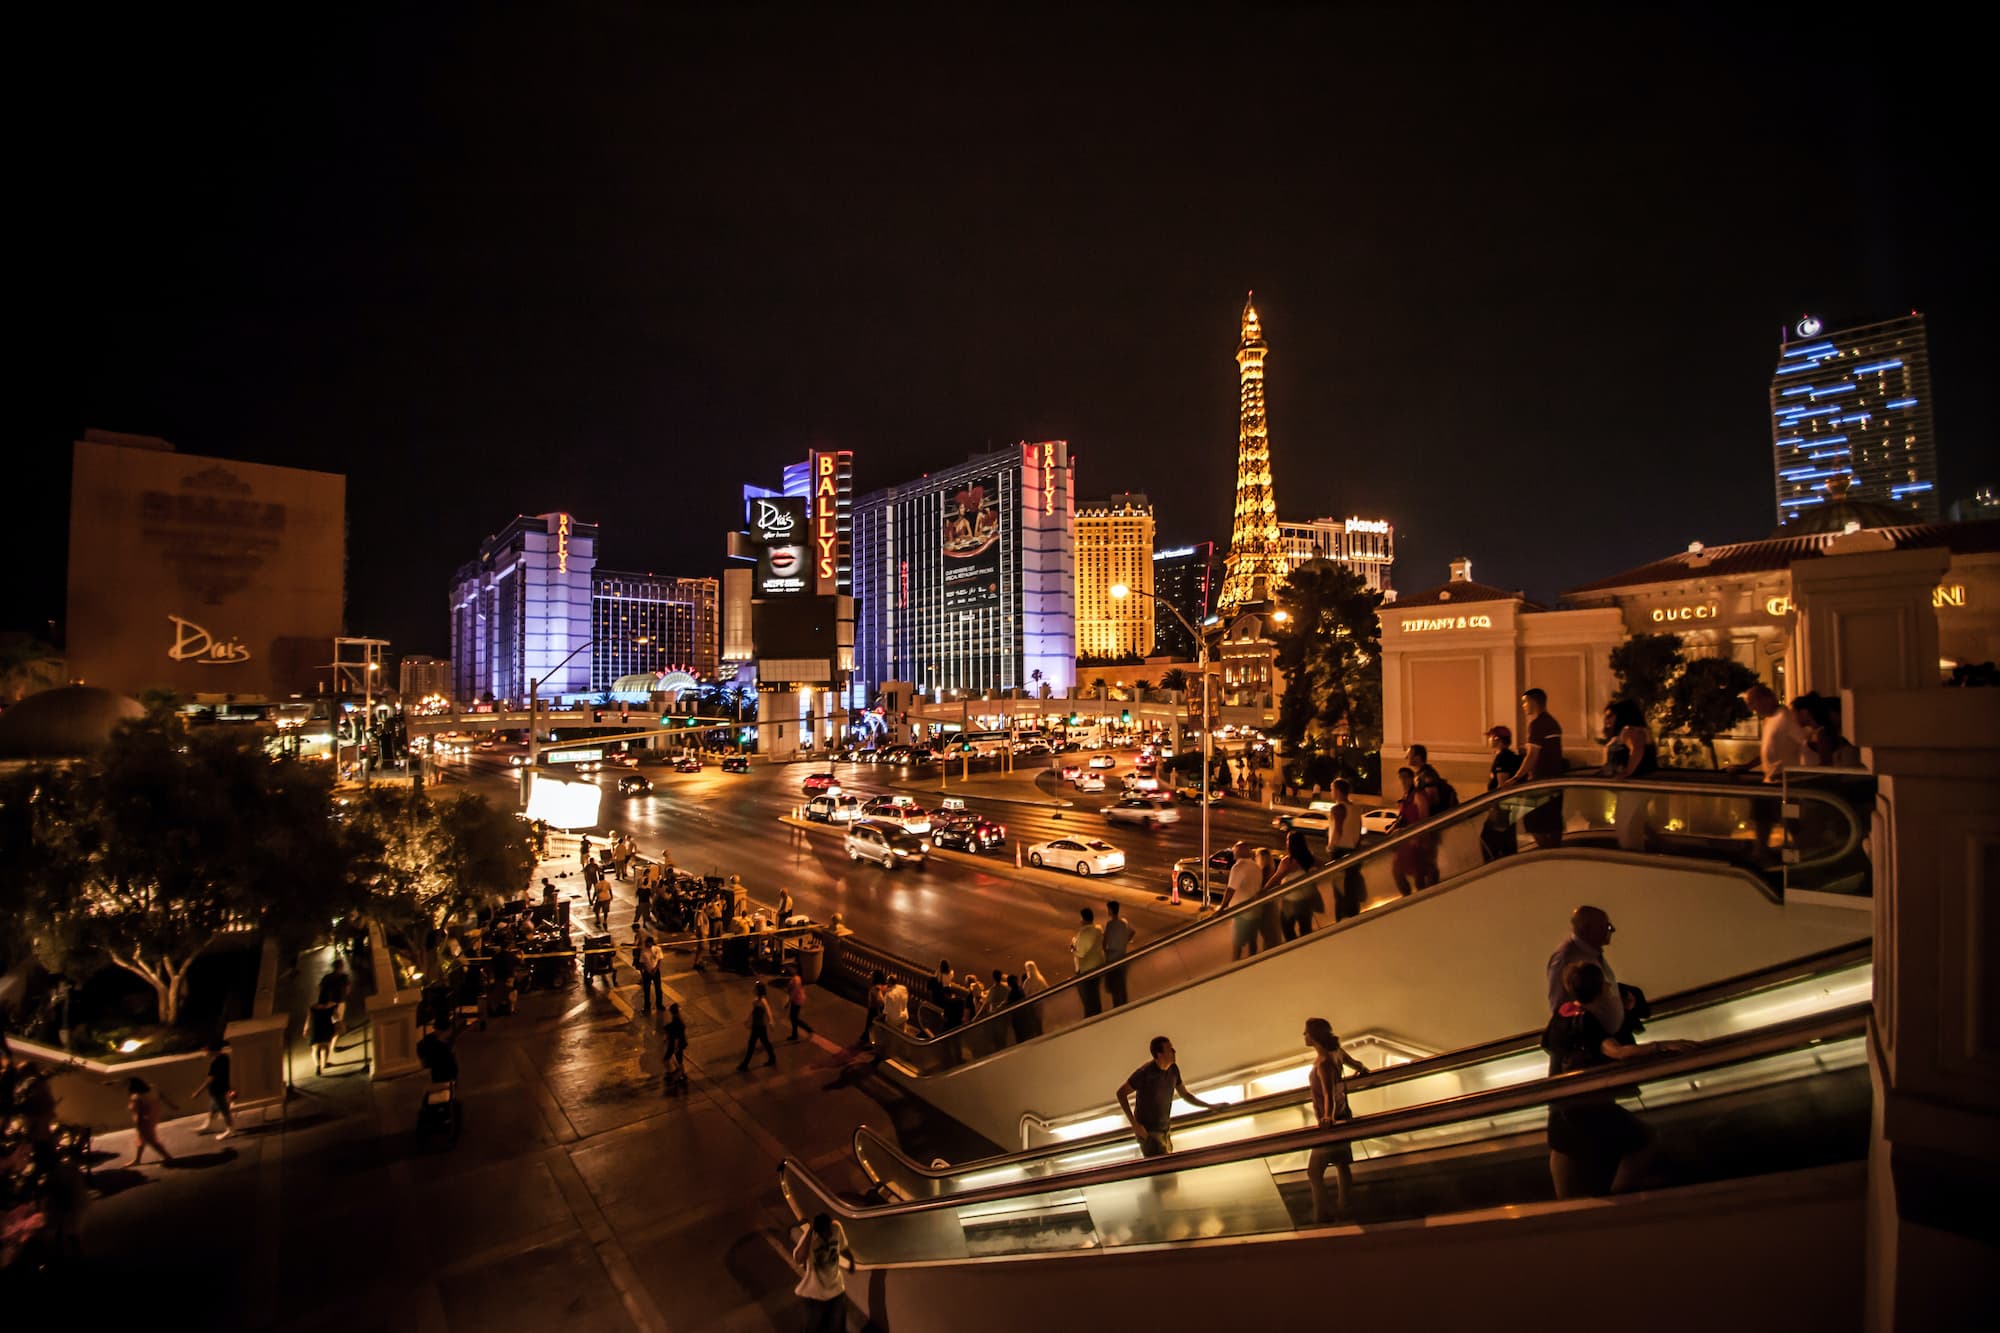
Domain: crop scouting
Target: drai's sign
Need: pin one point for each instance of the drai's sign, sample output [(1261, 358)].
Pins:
[(1368, 525), (774, 522), (1425, 624), (1705, 611), (192, 643)]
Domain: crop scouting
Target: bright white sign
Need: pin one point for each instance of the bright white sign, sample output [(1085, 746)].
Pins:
[(563, 805), (1368, 525)]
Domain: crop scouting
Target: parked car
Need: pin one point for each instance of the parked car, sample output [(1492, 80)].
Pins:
[(969, 833), (1088, 781), (687, 763), (901, 811), (736, 763), (1033, 747), (1191, 793), (816, 783), (1139, 810), (884, 844), (834, 808), (1220, 863), (1086, 856), (634, 785), (1315, 818), (1103, 761), (1379, 821)]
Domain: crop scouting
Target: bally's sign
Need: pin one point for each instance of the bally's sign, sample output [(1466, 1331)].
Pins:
[(193, 643)]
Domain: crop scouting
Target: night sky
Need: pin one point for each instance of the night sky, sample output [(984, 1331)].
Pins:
[(1522, 272)]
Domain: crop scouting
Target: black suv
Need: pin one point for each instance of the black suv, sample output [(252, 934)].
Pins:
[(735, 763), (969, 833)]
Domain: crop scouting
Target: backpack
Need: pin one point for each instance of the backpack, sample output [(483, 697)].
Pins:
[(1443, 795)]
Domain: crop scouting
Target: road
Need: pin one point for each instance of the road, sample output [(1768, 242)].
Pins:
[(979, 912)]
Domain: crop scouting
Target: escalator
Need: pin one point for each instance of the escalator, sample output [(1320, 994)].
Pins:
[(1704, 881), (1752, 1129), (1269, 1100)]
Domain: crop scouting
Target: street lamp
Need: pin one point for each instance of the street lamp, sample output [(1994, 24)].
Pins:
[(1121, 590)]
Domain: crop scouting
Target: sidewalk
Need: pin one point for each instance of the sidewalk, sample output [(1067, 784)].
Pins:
[(580, 1194)]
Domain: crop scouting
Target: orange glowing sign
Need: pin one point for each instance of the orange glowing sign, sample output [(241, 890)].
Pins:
[(825, 521), (562, 543)]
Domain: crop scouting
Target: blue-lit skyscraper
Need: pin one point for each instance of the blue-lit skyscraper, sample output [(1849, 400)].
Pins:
[(1855, 403)]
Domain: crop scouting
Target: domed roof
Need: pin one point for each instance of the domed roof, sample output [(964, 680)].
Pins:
[(63, 723)]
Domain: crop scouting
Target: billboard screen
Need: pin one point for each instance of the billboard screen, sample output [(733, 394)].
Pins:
[(971, 545), (201, 575), (784, 546)]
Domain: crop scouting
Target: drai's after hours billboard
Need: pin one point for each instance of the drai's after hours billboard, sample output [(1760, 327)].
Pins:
[(201, 575), (784, 547)]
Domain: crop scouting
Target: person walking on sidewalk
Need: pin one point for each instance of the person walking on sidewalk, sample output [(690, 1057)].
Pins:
[(600, 903), (878, 1007), (333, 989), (759, 1024), (795, 1000), (822, 1285), (221, 1092), (145, 1104), (673, 1058), (320, 1032), (653, 994), (1117, 943)]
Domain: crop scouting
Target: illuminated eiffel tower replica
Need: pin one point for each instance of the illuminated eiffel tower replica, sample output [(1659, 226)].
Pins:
[(1256, 563)]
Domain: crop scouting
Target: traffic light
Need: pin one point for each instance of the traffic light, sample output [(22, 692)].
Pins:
[(1125, 716)]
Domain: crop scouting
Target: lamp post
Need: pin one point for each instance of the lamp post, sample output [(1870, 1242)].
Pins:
[(534, 710), (1201, 664)]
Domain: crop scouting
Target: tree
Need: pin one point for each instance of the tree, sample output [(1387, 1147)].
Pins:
[(1646, 666), (28, 666), (1173, 678), (1330, 652), (143, 859), (419, 856), (1142, 684), (1706, 700)]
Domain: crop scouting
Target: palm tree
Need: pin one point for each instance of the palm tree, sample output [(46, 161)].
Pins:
[(1173, 678)]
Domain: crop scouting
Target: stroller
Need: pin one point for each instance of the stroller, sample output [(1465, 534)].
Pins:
[(440, 1116)]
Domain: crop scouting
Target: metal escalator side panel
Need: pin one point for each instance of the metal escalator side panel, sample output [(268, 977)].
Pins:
[(1218, 1194), (1834, 980), (1702, 822), (1453, 967)]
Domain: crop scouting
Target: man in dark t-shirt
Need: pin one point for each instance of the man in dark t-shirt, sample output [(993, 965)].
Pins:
[(1541, 757), (1154, 1085)]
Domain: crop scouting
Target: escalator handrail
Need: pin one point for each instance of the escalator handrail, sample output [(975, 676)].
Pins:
[(1816, 1029), (901, 1045), (1681, 1002)]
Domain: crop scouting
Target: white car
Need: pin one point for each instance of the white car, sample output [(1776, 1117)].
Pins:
[(1103, 761), (1087, 781), (1139, 810), (832, 808), (1069, 772), (1382, 820), (1086, 856), (884, 844), (901, 811), (1315, 818)]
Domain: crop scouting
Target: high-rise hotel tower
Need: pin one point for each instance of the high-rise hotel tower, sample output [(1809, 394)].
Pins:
[(1854, 403)]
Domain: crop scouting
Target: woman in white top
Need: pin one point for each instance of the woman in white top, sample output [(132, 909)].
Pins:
[(1032, 981), (820, 1249)]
